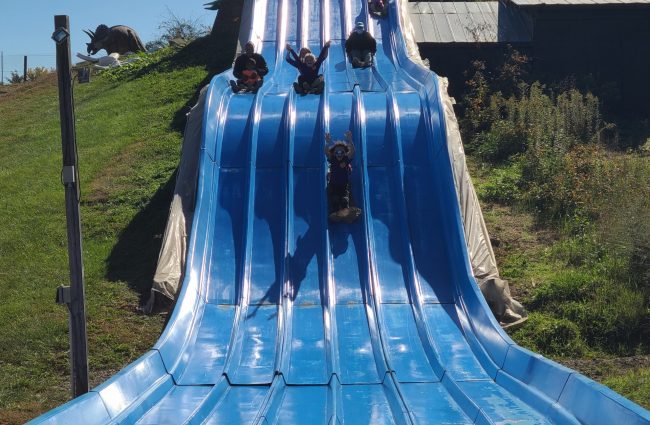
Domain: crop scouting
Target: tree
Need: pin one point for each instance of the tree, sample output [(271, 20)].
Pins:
[(174, 29)]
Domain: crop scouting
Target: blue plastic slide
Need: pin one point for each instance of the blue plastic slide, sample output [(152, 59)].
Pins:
[(284, 318)]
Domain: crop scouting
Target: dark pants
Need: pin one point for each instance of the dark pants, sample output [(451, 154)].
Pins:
[(338, 197), (360, 58), (318, 83), (241, 86)]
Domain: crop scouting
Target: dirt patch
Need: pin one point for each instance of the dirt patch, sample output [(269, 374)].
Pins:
[(21, 415), (602, 368), (11, 91), (514, 233)]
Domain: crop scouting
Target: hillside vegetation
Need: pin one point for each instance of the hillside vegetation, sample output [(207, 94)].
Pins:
[(566, 195)]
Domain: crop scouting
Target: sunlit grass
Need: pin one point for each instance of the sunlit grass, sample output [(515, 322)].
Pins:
[(128, 151)]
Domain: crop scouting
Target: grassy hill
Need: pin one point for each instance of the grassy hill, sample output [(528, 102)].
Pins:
[(129, 134)]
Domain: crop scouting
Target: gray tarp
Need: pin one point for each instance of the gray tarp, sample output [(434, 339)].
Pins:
[(484, 265), (171, 262)]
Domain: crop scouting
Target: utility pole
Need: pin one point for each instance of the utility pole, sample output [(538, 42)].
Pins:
[(2, 68), (25, 69), (72, 295)]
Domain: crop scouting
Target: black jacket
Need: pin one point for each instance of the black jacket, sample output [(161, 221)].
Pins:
[(240, 65), (363, 41), (309, 74)]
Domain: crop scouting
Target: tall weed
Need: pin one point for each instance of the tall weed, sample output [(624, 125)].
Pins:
[(625, 217)]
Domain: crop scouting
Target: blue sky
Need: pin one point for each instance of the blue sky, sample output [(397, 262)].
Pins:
[(26, 25)]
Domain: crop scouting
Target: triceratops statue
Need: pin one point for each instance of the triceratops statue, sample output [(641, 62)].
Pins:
[(118, 39)]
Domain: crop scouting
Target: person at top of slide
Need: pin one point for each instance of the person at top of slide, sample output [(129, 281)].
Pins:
[(309, 80), (241, 64), (360, 46), (250, 80), (378, 7)]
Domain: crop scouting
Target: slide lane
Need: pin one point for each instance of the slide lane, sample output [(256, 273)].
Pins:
[(354, 11), (363, 372), (417, 376)]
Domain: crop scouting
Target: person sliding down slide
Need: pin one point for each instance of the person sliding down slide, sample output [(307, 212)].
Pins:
[(339, 156), (360, 47), (378, 8), (250, 80), (249, 69), (309, 80)]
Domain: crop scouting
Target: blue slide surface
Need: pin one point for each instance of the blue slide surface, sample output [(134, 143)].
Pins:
[(284, 318)]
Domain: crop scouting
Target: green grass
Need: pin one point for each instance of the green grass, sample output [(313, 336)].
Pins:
[(585, 310), (584, 283), (129, 138), (129, 133), (635, 384)]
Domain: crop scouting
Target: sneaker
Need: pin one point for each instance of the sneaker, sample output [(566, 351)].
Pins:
[(234, 86), (356, 62), (297, 88)]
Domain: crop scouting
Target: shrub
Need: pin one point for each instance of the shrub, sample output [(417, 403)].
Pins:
[(609, 314), (546, 150), (611, 319), (500, 143), (559, 184), (645, 148), (477, 118), (625, 217), (176, 28), (513, 72), (501, 185), (550, 336), (32, 75), (554, 139)]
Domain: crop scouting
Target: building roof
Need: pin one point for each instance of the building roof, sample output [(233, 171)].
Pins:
[(535, 3), (470, 22)]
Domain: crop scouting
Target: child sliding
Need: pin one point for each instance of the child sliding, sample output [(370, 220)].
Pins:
[(309, 80), (339, 156)]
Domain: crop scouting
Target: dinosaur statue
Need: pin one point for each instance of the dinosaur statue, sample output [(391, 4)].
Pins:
[(117, 39)]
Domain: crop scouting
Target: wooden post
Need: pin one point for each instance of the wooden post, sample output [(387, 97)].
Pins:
[(24, 69), (73, 296)]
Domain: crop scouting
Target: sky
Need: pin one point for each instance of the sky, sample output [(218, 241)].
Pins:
[(27, 25)]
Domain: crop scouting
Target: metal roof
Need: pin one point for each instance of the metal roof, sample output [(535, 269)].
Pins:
[(533, 3), (469, 22)]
